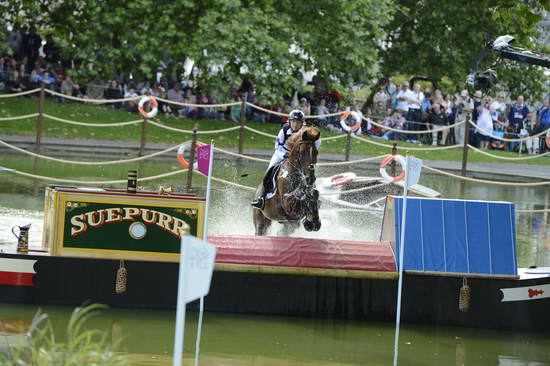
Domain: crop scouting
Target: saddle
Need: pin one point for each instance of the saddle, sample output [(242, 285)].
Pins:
[(270, 180)]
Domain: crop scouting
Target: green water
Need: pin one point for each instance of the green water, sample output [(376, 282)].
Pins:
[(229, 339)]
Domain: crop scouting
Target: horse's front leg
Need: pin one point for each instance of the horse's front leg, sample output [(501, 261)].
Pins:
[(312, 222), (288, 228)]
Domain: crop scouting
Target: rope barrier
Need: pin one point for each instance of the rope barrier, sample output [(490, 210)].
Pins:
[(407, 148), (505, 157), (19, 94), (90, 162), (240, 155), (168, 101), (90, 100), (532, 184), (286, 114), (190, 131), (489, 133), (415, 132), (18, 117), (259, 132), (352, 161), (95, 124)]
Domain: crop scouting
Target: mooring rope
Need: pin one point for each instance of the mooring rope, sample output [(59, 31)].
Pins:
[(309, 116), (91, 100)]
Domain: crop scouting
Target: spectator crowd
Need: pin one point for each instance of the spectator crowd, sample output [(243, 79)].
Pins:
[(394, 107)]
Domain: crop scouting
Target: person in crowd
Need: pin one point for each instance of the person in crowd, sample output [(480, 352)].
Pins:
[(391, 91), (16, 83), (95, 89), (296, 120), (414, 114), (31, 44), (321, 110), (543, 118), (47, 78), (175, 94), (499, 105), (14, 39), (516, 116), (379, 109), (528, 127), (114, 91), (131, 105), (381, 97), (397, 122), (464, 107), (304, 106), (402, 98), (436, 119), (68, 87), (189, 111), (499, 130), (51, 50), (484, 123), (146, 88)]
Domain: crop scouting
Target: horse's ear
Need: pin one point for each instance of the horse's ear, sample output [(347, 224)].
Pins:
[(311, 134)]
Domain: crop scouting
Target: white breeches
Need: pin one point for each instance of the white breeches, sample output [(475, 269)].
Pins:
[(278, 155)]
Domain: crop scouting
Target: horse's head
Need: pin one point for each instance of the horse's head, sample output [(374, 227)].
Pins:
[(303, 154), (302, 147)]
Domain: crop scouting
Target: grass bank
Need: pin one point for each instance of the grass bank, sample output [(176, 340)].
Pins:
[(99, 114)]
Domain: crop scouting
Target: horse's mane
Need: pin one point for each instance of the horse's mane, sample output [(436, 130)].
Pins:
[(306, 134)]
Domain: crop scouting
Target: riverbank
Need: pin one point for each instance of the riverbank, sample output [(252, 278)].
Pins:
[(82, 149)]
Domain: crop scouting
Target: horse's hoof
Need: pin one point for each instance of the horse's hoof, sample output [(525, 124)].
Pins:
[(317, 226), (308, 225)]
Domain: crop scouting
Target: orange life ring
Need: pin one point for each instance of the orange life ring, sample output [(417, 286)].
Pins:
[(388, 159), (181, 155), (341, 179), (154, 107), (355, 116)]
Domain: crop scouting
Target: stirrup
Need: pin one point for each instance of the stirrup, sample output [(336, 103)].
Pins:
[(258, 203)]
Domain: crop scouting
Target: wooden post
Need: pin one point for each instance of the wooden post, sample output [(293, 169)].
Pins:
[(465, 146), (40, 118), (143, 137), (393, 166), (191, 160), (348, 145), (243, 117)]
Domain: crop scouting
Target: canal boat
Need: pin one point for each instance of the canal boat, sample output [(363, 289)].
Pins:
[(121, 249)]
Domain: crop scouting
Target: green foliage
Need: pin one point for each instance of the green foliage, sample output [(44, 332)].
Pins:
[(82, 347), (271, 41), (439, 38)]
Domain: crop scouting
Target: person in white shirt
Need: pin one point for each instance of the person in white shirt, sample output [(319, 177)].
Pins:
[(484, 123), (414, 115), (402, 98)]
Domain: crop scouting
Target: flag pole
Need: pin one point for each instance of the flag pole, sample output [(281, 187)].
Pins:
[(180, 312), (205, 231), (401, 255)]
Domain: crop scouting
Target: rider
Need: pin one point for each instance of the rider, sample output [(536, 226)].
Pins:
[(295, 123)]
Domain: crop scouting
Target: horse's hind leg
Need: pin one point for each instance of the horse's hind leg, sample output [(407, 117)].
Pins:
[(261, 223)]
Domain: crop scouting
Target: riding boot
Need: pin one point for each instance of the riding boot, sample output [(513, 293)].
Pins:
[(259, 202)]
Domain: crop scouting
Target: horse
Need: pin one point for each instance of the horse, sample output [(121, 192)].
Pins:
[(296, 197)]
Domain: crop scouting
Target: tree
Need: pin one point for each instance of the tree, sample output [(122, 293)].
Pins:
[(437, 38), (272, 41)]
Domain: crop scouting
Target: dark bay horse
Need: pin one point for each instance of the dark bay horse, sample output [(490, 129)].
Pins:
[(296, 197)]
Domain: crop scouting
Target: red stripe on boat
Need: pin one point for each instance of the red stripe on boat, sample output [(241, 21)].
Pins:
[(304, 252), (16, 278)]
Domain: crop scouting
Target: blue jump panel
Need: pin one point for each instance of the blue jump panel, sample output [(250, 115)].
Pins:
[(455, 235)]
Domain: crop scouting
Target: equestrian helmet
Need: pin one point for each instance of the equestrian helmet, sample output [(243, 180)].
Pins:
[(297, 115)]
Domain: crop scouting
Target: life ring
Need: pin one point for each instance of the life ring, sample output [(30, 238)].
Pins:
[(388, 159), (345, 126), (154, 107), (181, 155), (342, 179)]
